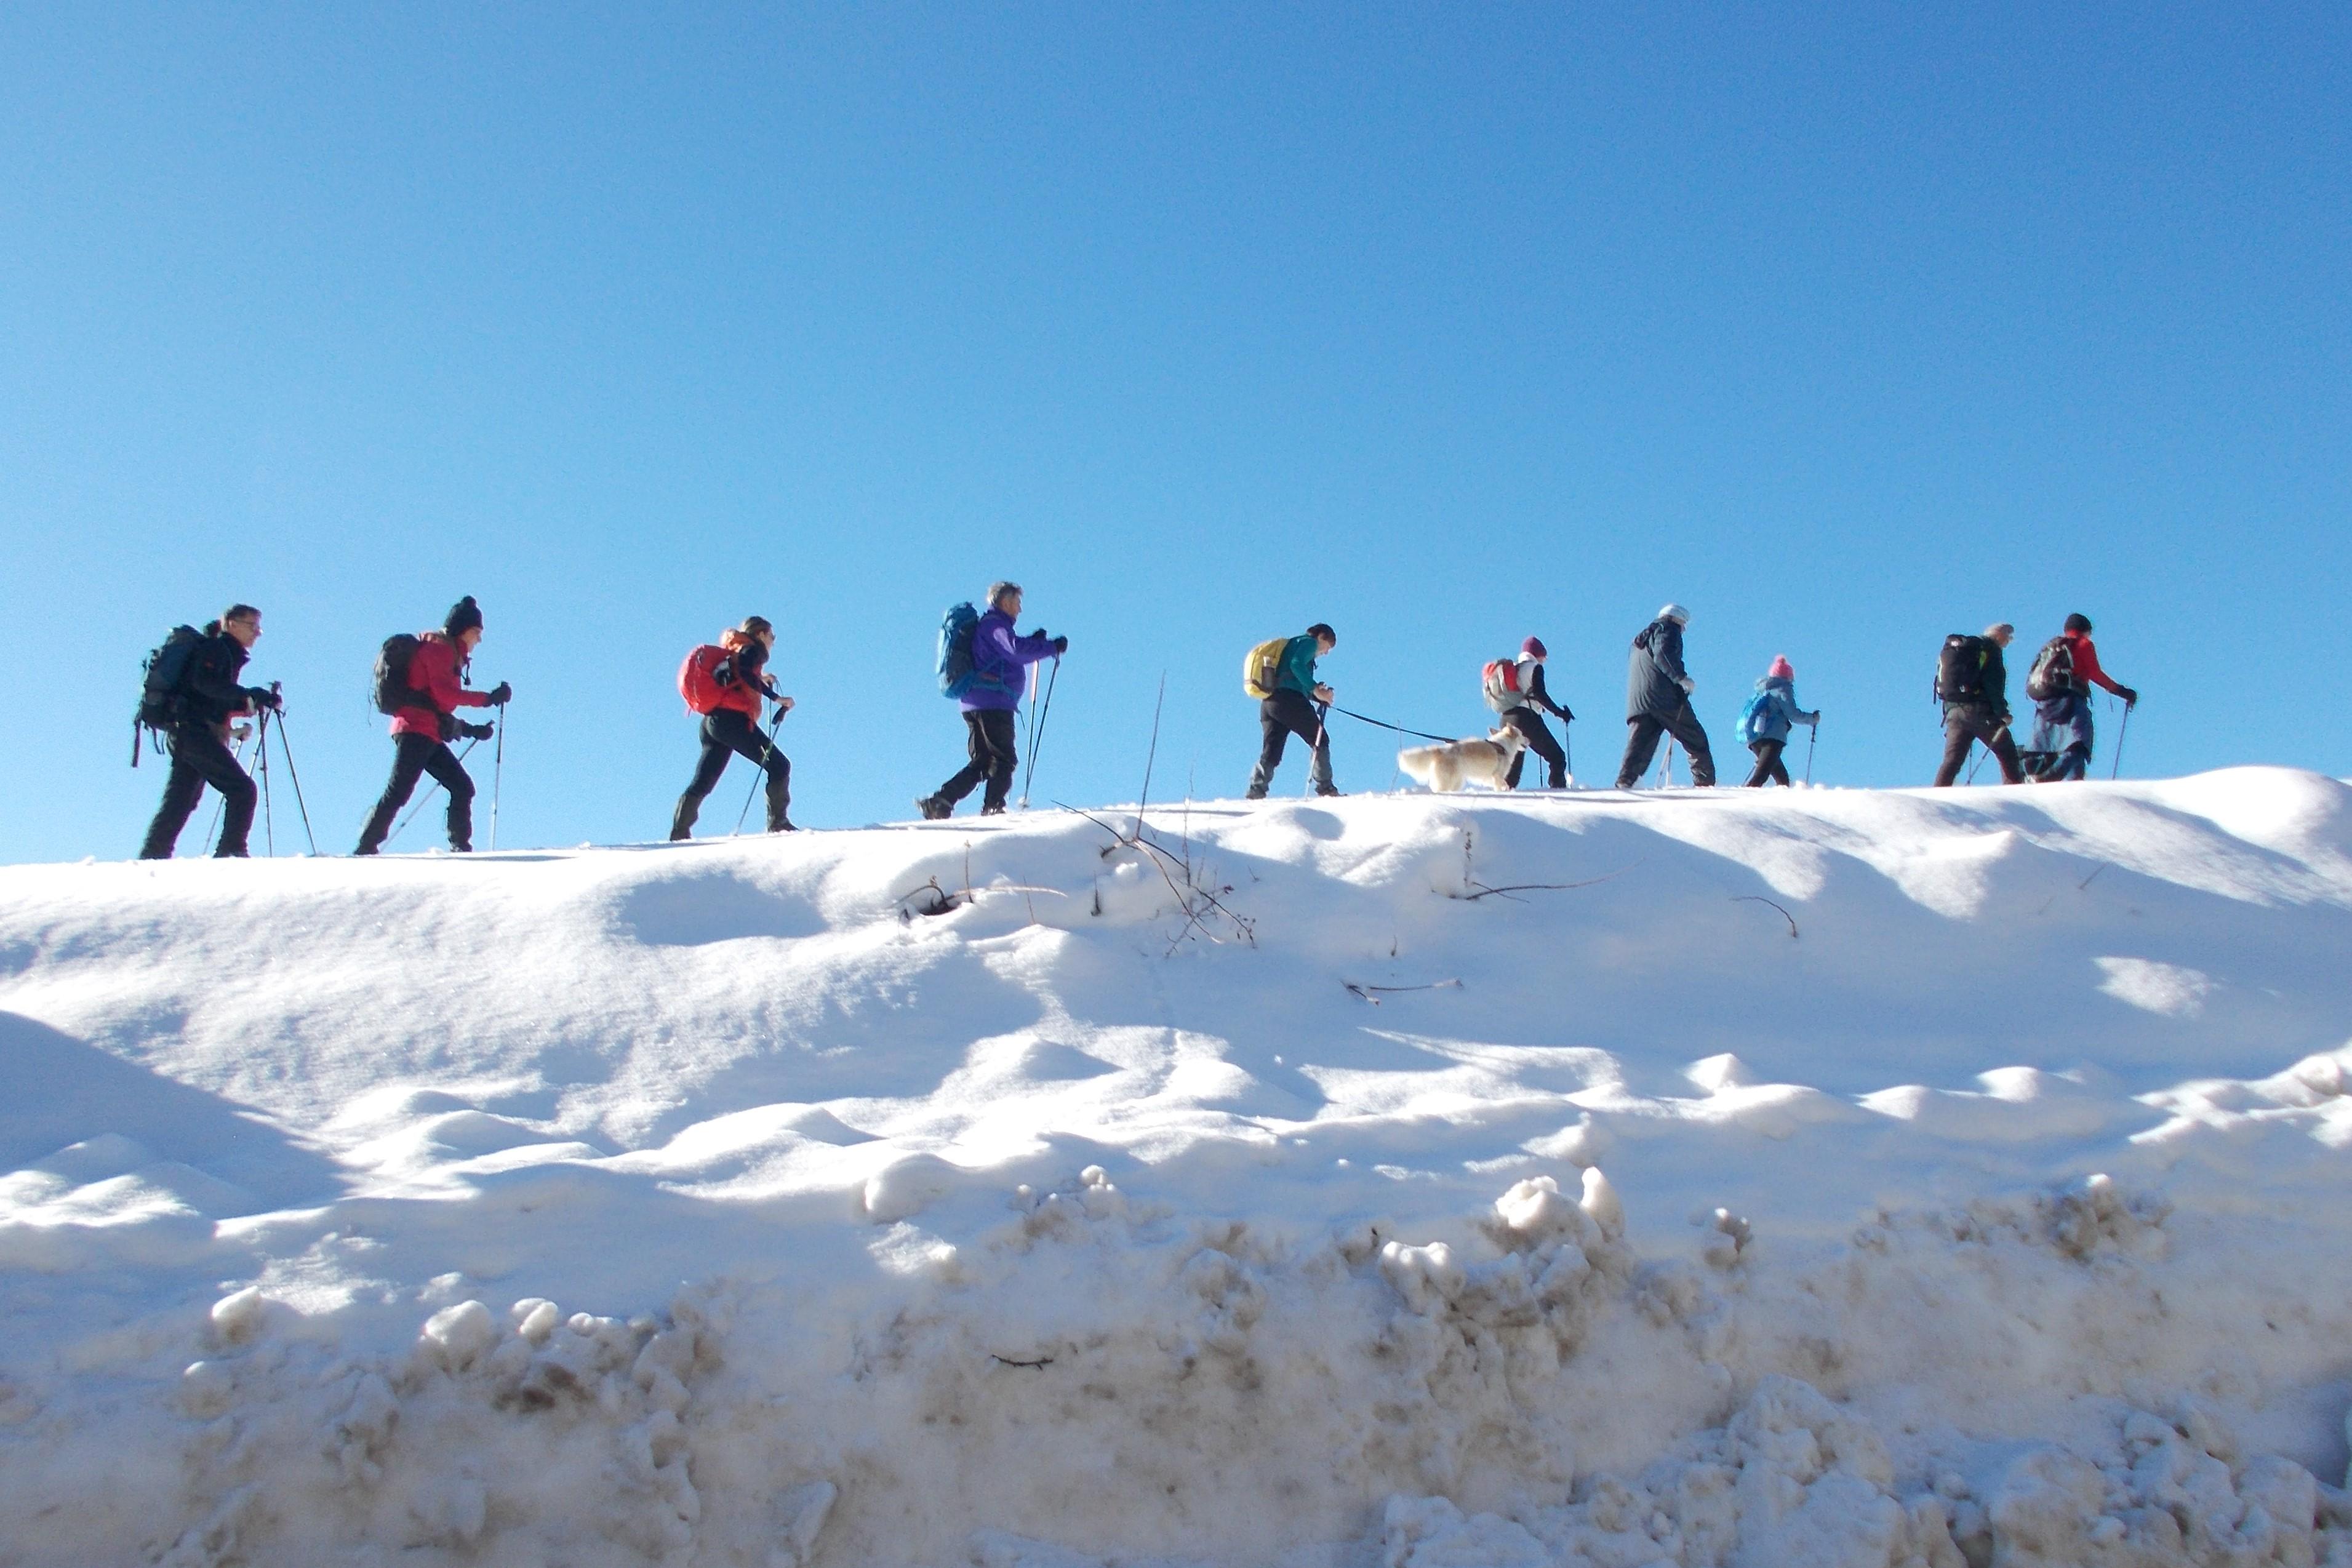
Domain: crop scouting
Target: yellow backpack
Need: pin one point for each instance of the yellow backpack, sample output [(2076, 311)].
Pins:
[(1262, 667)]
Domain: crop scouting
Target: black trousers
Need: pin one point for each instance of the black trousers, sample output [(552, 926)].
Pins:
[(1538, 735), (1642, 744), (725, 735), (200, 757), (413, 757), (995, 752), (1963, 727), (1769, 769), (1279, 717)]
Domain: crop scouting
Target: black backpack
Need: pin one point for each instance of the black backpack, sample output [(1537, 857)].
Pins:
[(1961, 668), (393, 692), (163, 677), (2053, 674)]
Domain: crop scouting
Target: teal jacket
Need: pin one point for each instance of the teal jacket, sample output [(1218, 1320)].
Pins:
[(1297, 670)]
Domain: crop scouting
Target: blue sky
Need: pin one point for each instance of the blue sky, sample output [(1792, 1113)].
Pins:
[(1442, 324)]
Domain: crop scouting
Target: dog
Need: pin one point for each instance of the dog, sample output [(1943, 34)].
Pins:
[(1458, 762)]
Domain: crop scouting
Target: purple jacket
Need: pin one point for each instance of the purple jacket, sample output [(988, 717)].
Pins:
[(1000, 663)]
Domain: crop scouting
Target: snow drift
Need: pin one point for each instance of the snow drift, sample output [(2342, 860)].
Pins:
[(1818, 1177)]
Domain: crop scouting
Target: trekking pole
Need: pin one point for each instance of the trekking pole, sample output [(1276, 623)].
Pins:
[(294, 774), (2116, 771), (1812, 738), (1665, 779), (261, 766), (497, 774), (427, 799), (1038, 730), (1322, 718), (768, 752)]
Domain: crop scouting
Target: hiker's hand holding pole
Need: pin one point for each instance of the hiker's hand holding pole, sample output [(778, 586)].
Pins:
[(1324, 694)]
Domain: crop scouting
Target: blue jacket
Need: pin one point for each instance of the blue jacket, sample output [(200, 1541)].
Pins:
[(1772, 712), (1653, 676), (1000, 663)]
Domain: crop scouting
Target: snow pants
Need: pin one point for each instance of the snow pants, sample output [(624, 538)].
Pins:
[(995, 752), (729, 733), (2062, 725), (200, 757), (1279, 717), (1642, 744), (413, 758), (1538, 735), (1770, 768), (1965, 724)]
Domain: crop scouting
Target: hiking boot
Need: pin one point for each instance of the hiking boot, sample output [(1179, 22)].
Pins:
[(933, 808), (1255, 795), (1327, 793), (992, 811)]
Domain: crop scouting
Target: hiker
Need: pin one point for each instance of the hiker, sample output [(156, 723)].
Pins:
[(193, 709), (425, 692), (2059, 684), (1972, 683), (1765, 723), (724, 682), (1657, 702), (1288, 709), (1515, 690), (986, 669)]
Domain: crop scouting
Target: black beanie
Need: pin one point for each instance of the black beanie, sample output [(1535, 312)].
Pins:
[(464, 615)]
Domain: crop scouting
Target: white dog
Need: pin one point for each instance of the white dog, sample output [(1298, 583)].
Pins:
[(1458, 762)]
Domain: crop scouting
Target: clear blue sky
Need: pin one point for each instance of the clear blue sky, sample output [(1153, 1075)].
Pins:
[(1845, 326)]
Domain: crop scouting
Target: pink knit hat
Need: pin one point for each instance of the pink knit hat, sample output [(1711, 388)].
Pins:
[(1534, 648), (1780, 667)]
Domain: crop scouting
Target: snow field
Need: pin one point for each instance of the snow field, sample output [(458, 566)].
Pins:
[(1974, 1190)]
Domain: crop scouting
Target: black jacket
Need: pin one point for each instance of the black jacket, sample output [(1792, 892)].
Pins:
[(209, 693), (1654, 676)]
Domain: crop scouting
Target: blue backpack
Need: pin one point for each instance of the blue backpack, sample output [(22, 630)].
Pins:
[(1752, 718), (955, 649)]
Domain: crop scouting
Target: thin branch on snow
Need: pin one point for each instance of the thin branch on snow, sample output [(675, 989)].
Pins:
[(1367, 992), (1754, 899), (1484, 890)]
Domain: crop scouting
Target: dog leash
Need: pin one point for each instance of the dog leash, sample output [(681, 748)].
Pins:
[(1384, 724)]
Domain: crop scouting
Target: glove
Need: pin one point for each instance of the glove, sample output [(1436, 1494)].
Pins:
[(2131, 698), (1566, 716), (500, 694), (263, 699), (476, 731), (1061, 647), (1814, 718), (1688, 685)]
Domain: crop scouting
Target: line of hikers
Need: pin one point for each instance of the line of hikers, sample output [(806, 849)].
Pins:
[(191, 700)]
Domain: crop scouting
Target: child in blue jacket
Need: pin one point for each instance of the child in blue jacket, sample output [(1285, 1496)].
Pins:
[(1765, 723)]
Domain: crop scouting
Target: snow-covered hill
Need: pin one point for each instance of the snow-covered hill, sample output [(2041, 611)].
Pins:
[(1976, 1178)]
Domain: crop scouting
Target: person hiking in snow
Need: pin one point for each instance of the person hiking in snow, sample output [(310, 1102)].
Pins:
[(1657, 702), (195, 734), (1972, 682), (1289, 709), (725, 682), (1001, 658), (423, 728), (1517, 701), (2059, 684), (1765, 723)]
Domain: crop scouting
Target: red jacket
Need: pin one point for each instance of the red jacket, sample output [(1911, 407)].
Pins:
[(433, 676), (2086, 663)]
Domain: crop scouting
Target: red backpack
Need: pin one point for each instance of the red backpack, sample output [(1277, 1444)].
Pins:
[(1500, 680), (698, 678)]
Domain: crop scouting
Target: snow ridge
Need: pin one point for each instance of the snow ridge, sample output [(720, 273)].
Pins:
[(1217, 1184)]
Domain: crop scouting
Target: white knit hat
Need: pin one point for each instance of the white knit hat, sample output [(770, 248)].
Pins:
[(1676, 614)]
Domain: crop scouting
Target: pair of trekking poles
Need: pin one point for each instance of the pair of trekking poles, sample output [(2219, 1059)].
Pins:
[(497, 780), (261, 772)]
